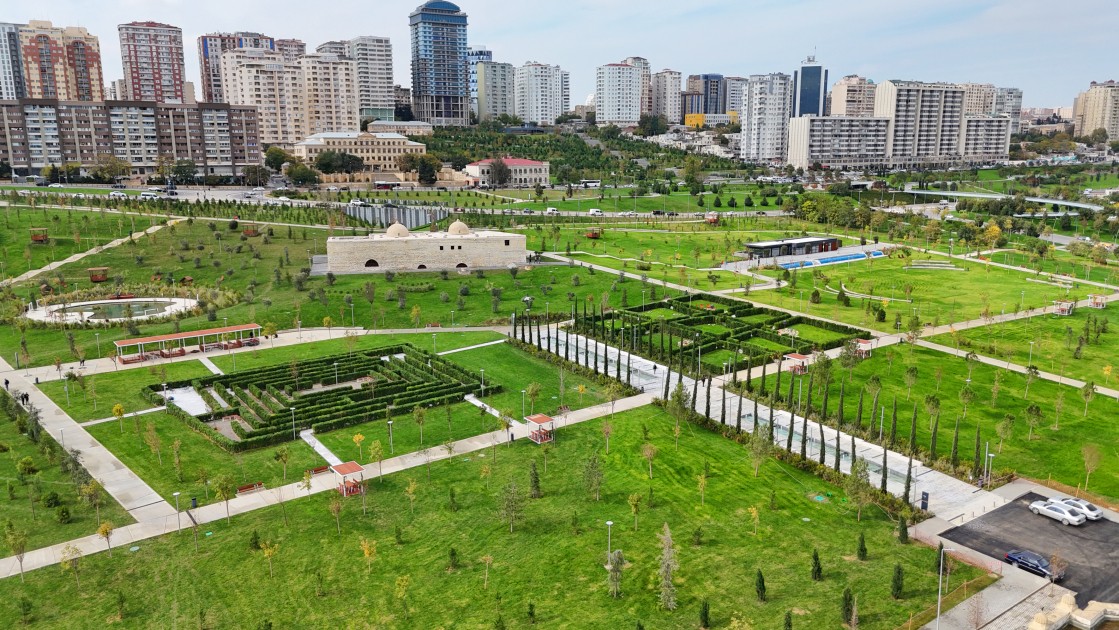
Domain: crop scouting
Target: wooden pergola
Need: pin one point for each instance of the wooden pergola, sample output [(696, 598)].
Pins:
[(543, 428), (350, 475), (175, 345), (40, 235), (98, 274), (800, 365), (863, 348), (1065, 307), (1097, 301)]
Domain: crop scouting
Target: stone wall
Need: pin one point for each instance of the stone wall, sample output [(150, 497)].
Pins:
[(430, 251)]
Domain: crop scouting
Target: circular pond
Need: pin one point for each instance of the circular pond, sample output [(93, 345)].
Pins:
[(111, 311)]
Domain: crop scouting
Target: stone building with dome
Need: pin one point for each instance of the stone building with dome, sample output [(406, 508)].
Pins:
[(399, 249)]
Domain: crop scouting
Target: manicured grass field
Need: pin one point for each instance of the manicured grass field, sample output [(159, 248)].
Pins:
[(938, 296), (680, 275), (101, 391), (553, 559), (1055, 447), (69, 232), (197, 453), (1061, 262), (1053, 348), (39, 521)]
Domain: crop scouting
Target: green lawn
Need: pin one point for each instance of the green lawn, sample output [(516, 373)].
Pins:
[(93, 396), (676, 274), (197, 453), (1055, 447), (1053, 348), (41, 522), (68, 231), (1061, 262), (323, 579), (938, 296), (264, 356)]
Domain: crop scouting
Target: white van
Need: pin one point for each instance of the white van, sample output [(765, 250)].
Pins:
[(594, 212), (551, 211), (149, 195)]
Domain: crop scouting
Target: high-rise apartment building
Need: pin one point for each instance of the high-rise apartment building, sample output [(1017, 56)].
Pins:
[(642, 65), (335, 47), (496, 89), (838, 142), (154, 67), (328, 89), (210, 48), (925, 119), (401, 96), (60, 62), (11, 66), (440, 79), (666, 96), (767, 101), (810, 88), (543, 93), (218, 139), (617, 94), (1008, 102), (373, 58), (1097, 108), (852, 96), (291, 49), (736, 92), (474, 55), (713, 88), (259, 77)]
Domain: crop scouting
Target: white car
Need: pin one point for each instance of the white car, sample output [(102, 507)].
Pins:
[(258, 189), (1067, 515), (1092, 512), (116, 194), (594, 212), (551, 211), (332, 188), (56, 186)]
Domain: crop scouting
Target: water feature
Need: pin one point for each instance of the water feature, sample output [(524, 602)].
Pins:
[(116, 309), (111, 311)]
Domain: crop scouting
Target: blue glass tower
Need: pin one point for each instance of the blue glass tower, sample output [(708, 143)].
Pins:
[(810, 89), (440, 77)]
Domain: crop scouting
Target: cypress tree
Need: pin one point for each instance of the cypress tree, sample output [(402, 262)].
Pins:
[(882, 485), (723, 405), (759, 585), (908, 480), (894, 423), (835, 462), (695, 389), (848, 605), (629, 368), (859, 413), (707, 399), (903, 530), (777, 386), (789, 396), (932, 440), (839, 414), (817, 569), (977, 465), (617, 362), (804, 437), (913, 431), (955, 456), (764, 364), (898, 582), (734, 367), (770, 428), (789, 434), (860, 553), (937, 566), (852, 450), (788, 620), (705, 614), (749, 373), (754, 424)]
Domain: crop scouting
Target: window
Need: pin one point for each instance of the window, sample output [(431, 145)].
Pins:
[(507, 242)]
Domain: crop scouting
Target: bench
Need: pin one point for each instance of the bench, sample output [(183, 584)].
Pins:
[(318, 471), (252, 487)]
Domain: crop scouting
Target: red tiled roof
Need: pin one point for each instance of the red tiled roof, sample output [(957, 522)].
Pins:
[(539, 418), (124, 343), (510, 162), (796, 357), (348, 468)]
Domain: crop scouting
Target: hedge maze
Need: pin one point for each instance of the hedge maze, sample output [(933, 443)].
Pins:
[(328, 393), (715, 329)]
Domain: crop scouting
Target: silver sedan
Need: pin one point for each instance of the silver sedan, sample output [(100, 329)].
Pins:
[(1092, 512)]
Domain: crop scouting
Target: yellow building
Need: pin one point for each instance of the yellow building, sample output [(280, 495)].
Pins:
[(699, 121), (379, 151)]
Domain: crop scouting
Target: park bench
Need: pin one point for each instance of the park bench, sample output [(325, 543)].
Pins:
[(318, 471), (252, 487)]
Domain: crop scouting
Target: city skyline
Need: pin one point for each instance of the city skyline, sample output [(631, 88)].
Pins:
[(950, 40)]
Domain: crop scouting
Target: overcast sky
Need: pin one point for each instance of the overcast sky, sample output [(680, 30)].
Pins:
[(1049, 50)]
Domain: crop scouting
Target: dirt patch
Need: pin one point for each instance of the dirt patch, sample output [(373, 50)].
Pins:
[(225, 427)]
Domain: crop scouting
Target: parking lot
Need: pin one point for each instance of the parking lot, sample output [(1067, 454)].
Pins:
[(1091, 549)]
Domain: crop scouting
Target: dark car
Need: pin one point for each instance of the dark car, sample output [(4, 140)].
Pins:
[(118, 185), (658, 213), (673, 214), (1034, 563)]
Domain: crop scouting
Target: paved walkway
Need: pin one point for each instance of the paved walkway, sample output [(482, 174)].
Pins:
[(308, 436), (210, 365), (91, 423)]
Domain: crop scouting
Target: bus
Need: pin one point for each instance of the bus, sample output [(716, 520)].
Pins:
[(385, 185), (591, 183)]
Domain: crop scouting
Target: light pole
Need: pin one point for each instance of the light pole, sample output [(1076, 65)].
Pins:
[(433, 343), (226, 320), (1031, 362), (62, 438), (452, 319), (940, 585), (178, 522), (483, 370), (990, 467), (609, 531), (66, 388), (643, 299), (522, 403), (352, 315), (391, 449), (335, 372), (98, 336), (986, 461), (293, 423)]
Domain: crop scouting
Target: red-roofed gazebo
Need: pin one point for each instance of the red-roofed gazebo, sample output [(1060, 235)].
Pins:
[(543, 428), (350, 476)]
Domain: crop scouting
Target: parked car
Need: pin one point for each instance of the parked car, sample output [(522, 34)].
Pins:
[(1058, 512), (658, 213), (1090, 511), (332, 188), (147, 194), (1034, 563)]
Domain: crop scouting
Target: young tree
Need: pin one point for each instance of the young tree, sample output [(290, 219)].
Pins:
[(1033, 419), (648, 451), (419, 414), (269, 550), (511, 508), (151, 438), (1031, 373), (94, 494), (760, 447), (533, 481), (857, 485), (897, 584), (788, 625), (848, 605), (860, 551), (817, 568), (701, 481), (204, 479), (377, 454), (1005, 429), (400, 592), (1058, 406), (615, 563), (1087, 392), (410, 492), (592, 476), (533, 392), (607, 430), (668, 564), (71, 560), (118, 413), (225, 489), (634, 506), (335, 507), (1091, 455), (283, 455), (759, 586), (358, 439), (368, 550), (16, 540), (306, 483), (105, 531), (910, 380), (903, 530), (488, 561)]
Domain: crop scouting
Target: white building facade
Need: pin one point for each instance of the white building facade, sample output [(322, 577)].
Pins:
[(617, 94), (496, 89), (838, 142), (666, 96), (543, 93), (398, 249), (767, 102), (852, 96)]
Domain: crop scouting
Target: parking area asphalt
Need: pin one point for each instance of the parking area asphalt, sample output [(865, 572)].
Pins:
[(1091, 549)]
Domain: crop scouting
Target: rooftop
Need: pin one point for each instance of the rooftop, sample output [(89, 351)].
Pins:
[(510, 162), (791, 241), (348, 468)]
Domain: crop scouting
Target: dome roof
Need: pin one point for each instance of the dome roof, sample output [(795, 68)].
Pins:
[(458, 228), (397, 230)]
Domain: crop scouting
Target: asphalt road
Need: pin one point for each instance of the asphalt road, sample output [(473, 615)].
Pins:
[(1092, 549)]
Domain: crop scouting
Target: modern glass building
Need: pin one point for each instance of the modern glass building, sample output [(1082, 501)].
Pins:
[(440, 77), (810, 89)]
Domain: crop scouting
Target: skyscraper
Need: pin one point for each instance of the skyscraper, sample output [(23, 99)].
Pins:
[(1008, 102), (642, 65), (666, 96), (496, 87), (152, 55), (11, 67), (713, 87), (767, 100), (475, 54), (60, 63), (1098, 108), (373, 56), (440, 80), (291, 49), (210, 48), (852, 96), (926, 120), (736, 91), (543, 93), (617, 94), (810, 88)]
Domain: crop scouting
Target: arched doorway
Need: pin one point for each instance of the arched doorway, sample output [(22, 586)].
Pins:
[(422, 267), (371, 263), (460, 266)]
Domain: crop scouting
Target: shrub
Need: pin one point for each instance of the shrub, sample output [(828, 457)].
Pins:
[(51, 500), (861, 552), (63, 515)]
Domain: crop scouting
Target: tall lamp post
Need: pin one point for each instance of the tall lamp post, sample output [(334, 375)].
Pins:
[(392, 451), (522, 403), (940, 585), (609, 530), (483, 370), (433, 343), (178, 522), (335, 372), (98, 336), (1031, 362)]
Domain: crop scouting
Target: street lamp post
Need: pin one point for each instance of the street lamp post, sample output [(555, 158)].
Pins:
[(433, 343), (335, 372), (452, 319), (98, 336), (1031, 362), (609, 531), (522, 403), (643, 299), (391, 449), (483, 370), (178, 522), (990, 467), (293, 423), (940, 585)]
